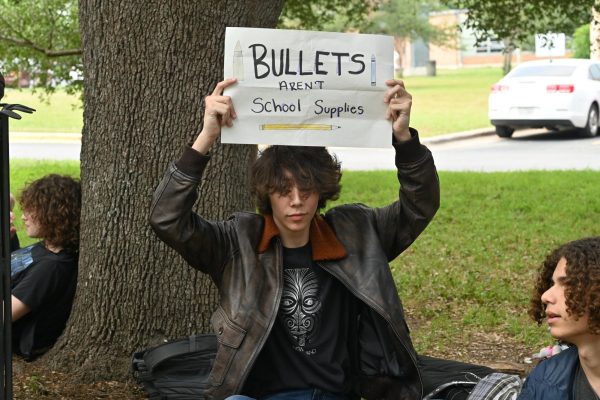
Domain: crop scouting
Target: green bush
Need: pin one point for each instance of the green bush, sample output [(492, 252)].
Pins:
[(581, 42)]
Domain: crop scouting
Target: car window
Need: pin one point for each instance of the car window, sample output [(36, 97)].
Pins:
[(543, 70), (595, 72)]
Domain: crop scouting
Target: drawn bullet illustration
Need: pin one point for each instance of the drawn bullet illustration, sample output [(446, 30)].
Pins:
[(373, 70), (238, 62)]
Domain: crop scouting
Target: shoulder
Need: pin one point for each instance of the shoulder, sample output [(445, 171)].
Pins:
[(247, 223), (553, 375), (48, 263), (559, 365), (347, 210)]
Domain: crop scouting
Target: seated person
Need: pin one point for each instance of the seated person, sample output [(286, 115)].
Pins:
[(567, 295), (43, 292), (14, 239)]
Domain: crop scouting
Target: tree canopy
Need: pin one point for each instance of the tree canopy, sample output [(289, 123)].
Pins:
[(42, 38), (518, 20), (325, 14), (408, 19)]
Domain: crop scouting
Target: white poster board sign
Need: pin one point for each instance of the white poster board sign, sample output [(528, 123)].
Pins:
[(308, 88), (550, 44)]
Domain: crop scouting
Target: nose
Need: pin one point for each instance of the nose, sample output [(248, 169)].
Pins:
[(295, 196), (547, 296)]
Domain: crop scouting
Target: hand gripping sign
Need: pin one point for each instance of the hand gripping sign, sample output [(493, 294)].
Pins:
[(308, 88)]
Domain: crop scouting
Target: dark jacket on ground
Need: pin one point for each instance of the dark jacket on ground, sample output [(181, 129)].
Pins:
[(243, 256), (552, 379)]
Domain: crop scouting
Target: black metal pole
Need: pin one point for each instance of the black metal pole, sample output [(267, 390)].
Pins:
[(6, 350), (6, 111)]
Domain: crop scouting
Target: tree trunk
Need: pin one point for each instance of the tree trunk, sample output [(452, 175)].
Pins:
[(507, 56), (595, 33), (147, 67)]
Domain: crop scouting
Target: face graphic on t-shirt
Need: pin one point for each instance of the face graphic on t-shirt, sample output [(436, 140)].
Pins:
[(300, 304)]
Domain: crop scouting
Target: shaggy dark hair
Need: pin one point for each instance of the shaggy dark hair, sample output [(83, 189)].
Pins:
[(582, 284), (311, 169), (54, 201)]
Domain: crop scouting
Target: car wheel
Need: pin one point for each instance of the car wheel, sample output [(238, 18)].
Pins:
[(591, 128), (504, 131)]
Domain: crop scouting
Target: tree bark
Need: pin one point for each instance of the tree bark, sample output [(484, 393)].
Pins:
[(148, 66)]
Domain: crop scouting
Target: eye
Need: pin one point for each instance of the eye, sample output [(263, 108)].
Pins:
[(305, 194)]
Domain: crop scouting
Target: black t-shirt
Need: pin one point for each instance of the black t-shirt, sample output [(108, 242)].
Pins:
[(308, 345), (47, 286), (14, 243), (582, 388)]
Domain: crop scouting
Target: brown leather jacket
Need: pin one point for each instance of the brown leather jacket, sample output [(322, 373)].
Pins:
[(243, 256)]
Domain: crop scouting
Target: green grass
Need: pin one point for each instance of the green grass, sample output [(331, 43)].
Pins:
[(23, 172), (452, 101), (60, 112), (473, 268)]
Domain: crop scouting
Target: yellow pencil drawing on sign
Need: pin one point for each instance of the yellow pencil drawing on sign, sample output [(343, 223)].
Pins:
[(298, 127)]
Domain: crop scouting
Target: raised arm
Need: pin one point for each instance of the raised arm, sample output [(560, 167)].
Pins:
[(399, 103), (203, 244), (401, 222), (218, 112)]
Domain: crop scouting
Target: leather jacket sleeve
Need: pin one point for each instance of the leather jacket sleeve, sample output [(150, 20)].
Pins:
[(205, 245), (401, 222)]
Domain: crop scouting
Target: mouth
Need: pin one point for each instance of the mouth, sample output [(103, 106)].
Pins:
[(552, 317), (297, 216)]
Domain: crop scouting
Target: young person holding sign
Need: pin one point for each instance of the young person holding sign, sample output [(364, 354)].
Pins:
[(308, 306)]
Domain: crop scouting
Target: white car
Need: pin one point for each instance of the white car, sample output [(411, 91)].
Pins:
[(554, 94)]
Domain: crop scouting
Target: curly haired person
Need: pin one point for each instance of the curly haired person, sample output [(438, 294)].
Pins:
[(44, 288), (567, 296)]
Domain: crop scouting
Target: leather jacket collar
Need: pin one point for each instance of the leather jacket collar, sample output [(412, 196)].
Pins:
[(325, 245)]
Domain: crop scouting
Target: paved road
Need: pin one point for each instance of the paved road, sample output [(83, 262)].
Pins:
[(530, 149), (527, 150)]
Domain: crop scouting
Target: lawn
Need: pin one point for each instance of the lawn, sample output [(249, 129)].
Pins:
[(59, 112), (454, 100), (472, 269)]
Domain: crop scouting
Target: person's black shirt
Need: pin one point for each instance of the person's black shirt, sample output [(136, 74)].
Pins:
[(308, 345), (47, 286), (14, 243), (582, 388)]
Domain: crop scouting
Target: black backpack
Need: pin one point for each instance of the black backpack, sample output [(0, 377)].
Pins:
[(176, 370)]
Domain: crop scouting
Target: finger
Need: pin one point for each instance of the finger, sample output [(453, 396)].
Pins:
[(223, 85), (395, 91), (212, 100), (391, 93), (222, 113), (391, 114), (392, 82), (217, 110)]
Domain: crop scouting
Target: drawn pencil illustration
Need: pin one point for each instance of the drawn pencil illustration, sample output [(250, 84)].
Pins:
[(297, 127)]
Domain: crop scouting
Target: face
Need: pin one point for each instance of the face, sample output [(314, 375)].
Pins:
[(32, 227), (562, 325), (293, 212)]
